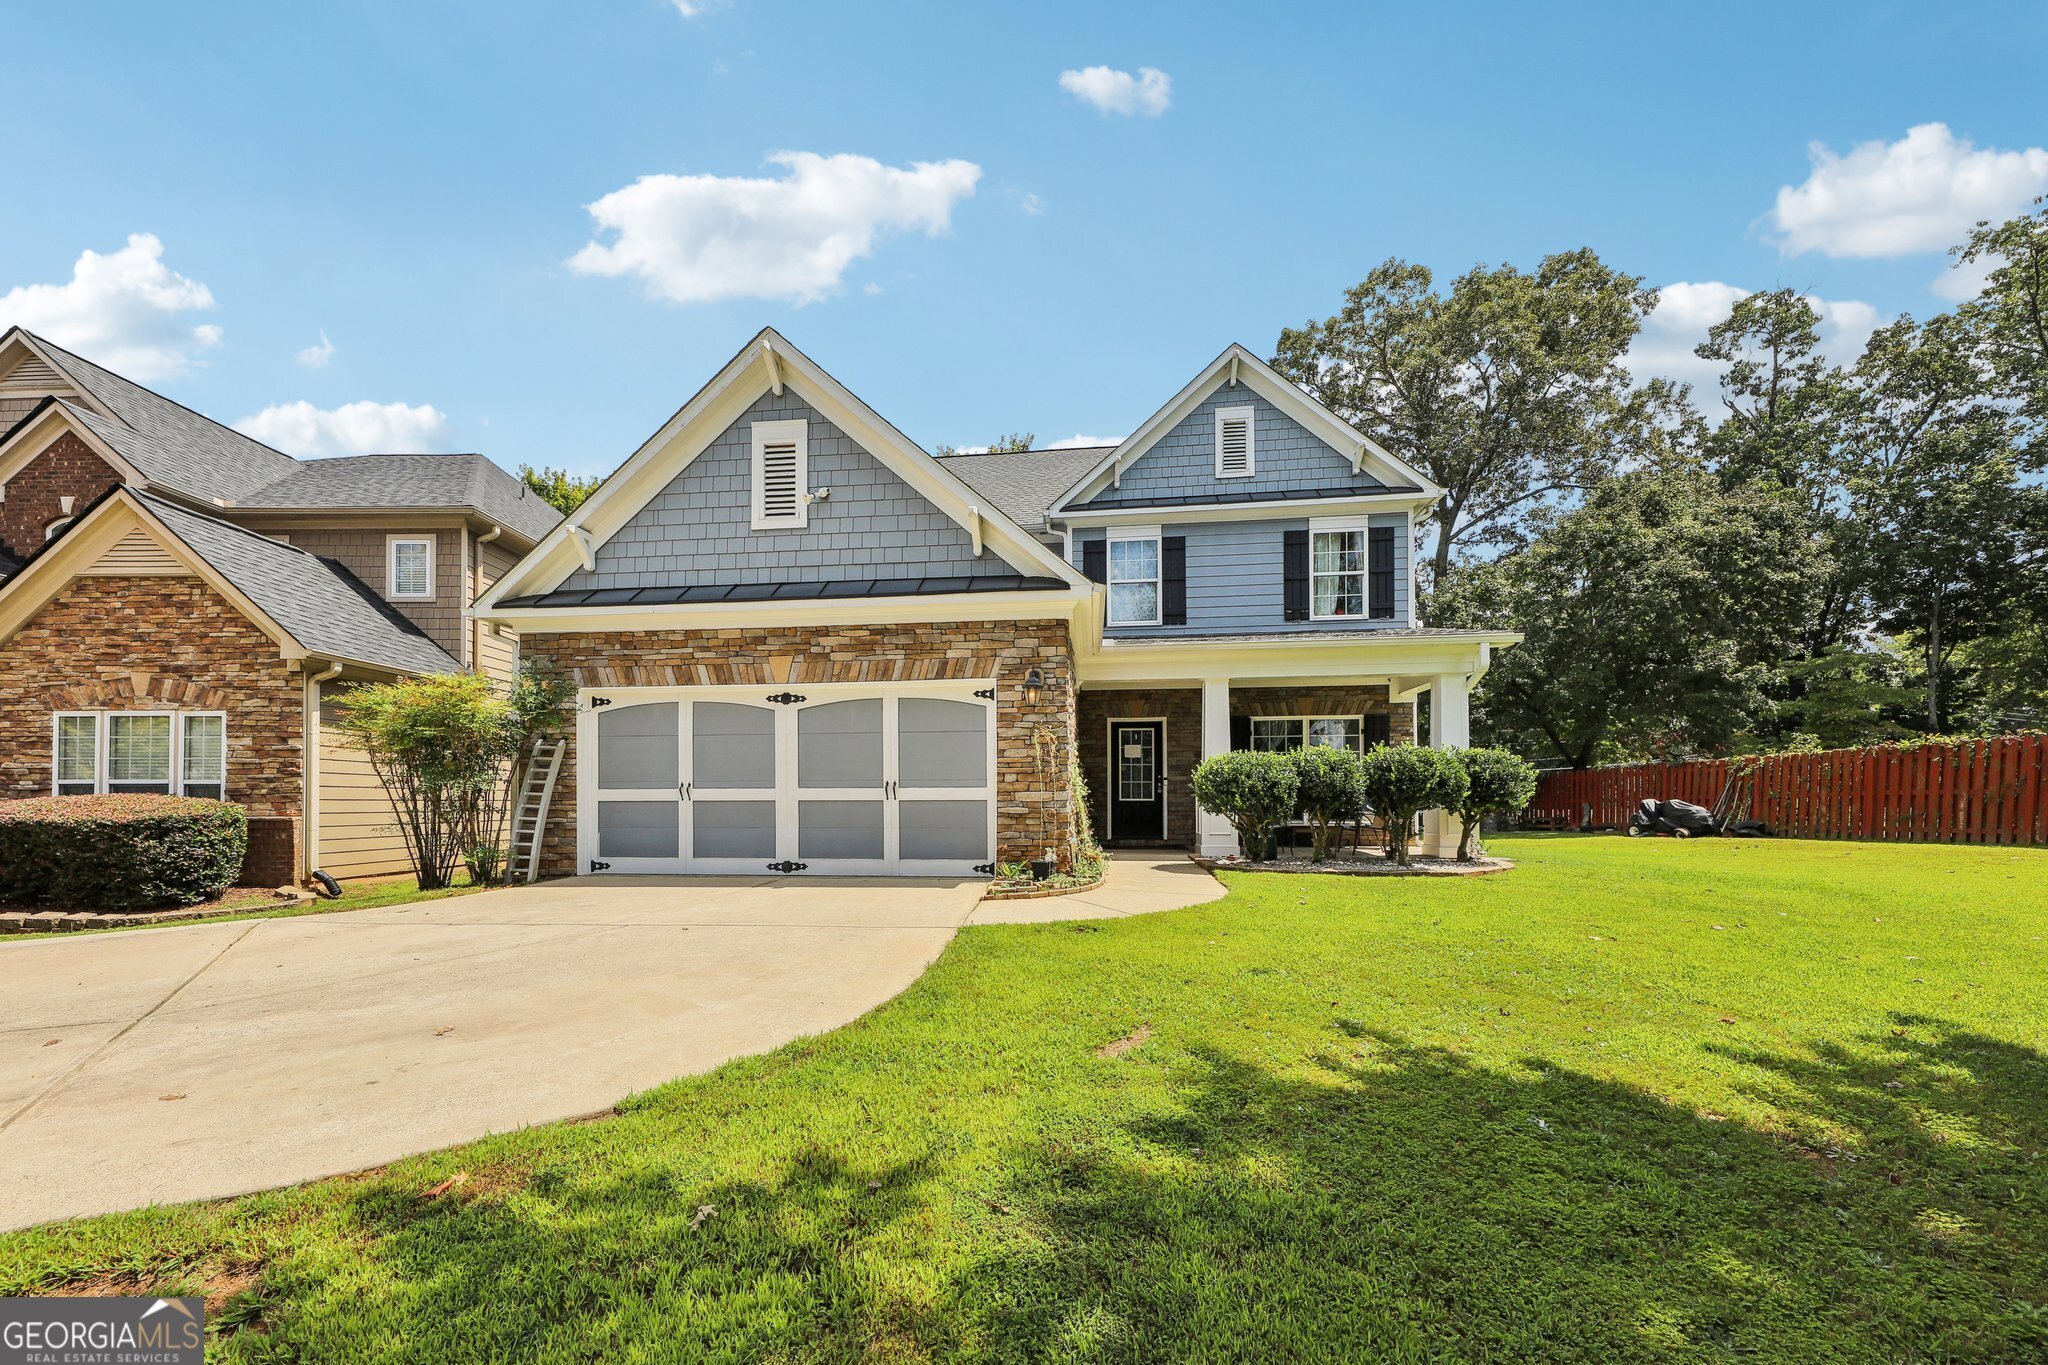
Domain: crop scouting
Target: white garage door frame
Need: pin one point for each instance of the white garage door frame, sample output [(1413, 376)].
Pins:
[(720, 800)]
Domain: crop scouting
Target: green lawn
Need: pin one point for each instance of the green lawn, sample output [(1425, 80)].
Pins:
[(1637, 1099)]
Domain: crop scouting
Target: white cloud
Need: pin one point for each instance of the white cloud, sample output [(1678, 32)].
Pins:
[(696, 9), (1919, 194), (1077, 440), (694, 238), (1685, 311), (1965, 280), (351, 429), (122, 310), (1111, 91), (316, 357)]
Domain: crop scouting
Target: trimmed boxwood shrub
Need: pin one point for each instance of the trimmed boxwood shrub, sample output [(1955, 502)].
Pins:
[(1254, 791), (136, 852)]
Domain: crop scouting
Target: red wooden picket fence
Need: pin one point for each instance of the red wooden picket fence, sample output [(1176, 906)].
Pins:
[(1984, 791)]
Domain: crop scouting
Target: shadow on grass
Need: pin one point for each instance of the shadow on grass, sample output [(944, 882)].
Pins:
[(1383, 1200)]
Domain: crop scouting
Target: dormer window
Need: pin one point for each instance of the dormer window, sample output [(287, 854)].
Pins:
[(409, 568), (781, 475), (1234, 453)]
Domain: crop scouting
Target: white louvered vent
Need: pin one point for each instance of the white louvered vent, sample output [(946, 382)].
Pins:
[(780, 460), (136, 554), (1233, 442)]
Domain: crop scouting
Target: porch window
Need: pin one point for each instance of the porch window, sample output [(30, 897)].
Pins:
[(97, 752), (1337, 574), (1134, 581), (1278, 734)]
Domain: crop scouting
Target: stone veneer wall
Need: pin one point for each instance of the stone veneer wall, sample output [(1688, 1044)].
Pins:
[(1034, 801), (154, 644), (1182, 709), (66, 468)]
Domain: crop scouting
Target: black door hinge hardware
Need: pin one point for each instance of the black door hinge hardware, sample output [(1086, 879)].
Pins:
[(787, 699), (986, 693), (987, 869), (786, 866), (596, 702), (596, 866)]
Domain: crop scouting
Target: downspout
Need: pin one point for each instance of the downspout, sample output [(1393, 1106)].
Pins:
[(309, 772), (476, 590)]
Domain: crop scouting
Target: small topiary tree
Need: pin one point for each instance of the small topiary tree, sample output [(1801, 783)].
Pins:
[(1329, 789), (122, 852), (1496, 781), (1253, 791), (1402, 781)]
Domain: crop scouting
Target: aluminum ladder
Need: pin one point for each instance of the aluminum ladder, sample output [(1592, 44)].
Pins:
[(530, 816)]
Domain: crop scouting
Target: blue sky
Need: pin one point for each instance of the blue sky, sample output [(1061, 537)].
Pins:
[(413, 182)]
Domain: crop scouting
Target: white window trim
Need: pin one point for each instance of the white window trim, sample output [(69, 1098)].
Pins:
[(391, 544), (1249, 415), (1155, 534), (1305, 721), (795, 431), (101, 736), (1328, 525)]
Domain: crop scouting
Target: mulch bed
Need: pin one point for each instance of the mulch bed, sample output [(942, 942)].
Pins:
[(238, 900), (1365, 865)]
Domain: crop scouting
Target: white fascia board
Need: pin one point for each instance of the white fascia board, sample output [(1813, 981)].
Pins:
[(1248, 370), (1291, 508), (1280, 659), (25, 445), (705, 417), (1022, 605)]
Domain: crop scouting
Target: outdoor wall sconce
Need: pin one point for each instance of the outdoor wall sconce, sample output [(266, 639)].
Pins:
[(1034, 683)]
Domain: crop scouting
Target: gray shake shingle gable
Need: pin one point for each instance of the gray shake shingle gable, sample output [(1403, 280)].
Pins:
[(320, 604), (436, 482)]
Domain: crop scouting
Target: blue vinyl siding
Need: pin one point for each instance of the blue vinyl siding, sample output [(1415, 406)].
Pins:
[(1234, 578), (697, 529), (1286, 457)]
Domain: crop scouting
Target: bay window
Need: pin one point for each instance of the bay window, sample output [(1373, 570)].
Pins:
[(181, 752)]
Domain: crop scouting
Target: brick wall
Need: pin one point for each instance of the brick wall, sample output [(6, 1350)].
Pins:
[(1034, 806), (1182, 710), (66, 468), (153, 644)]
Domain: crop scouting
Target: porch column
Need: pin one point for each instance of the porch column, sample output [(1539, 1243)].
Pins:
[(1215, 838), (1450, 727)]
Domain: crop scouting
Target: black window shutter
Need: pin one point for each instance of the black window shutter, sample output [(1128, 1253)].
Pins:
[(1379, 729), (1380, 572), (1240, 732), (1173, 580), (1095, 560), (1294, 576)]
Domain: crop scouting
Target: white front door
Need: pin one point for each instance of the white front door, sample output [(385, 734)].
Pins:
[(839, 779)]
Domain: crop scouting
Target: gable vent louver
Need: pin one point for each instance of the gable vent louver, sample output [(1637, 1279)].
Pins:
[(779, 475), (32, 372), (1233, 443)]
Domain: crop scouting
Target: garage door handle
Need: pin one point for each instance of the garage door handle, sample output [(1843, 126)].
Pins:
[(683, 789)]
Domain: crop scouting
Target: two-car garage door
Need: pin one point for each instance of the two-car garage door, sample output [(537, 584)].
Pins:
[(839, 779)]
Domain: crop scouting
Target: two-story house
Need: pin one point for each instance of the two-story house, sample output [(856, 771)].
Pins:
[(180, 605), (803, 644)]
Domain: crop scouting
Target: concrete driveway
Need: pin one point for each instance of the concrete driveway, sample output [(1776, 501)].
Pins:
[(185, 1063)]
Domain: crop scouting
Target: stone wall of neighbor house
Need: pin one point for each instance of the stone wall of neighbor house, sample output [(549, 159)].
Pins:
[(1181, 708), (1034, 800), (67, 468), (154, 644)]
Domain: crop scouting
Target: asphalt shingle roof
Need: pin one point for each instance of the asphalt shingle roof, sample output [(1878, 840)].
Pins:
[(1023, 484), (318, 602), (167, 442), (450, 482)]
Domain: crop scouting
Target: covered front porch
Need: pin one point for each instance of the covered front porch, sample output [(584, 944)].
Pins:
[(1150, 711)]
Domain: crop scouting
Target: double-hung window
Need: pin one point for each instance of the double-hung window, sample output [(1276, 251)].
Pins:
[(1278, 734), (1134, 578), (1337, 574), (409, 567), (169, 752)]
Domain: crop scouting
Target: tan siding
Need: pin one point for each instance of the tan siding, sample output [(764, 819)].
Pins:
[(358, 828), (137, 553), (362, 553), (496, 655)]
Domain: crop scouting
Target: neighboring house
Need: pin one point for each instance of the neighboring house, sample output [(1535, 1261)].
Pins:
[(801, 643), (180, 605)]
